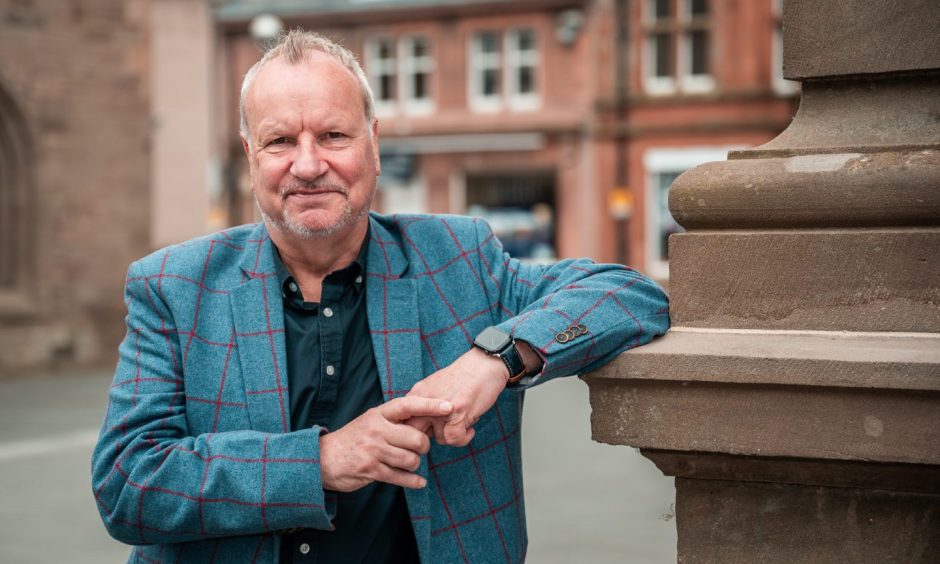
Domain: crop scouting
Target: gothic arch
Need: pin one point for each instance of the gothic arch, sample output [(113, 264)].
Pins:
[(17, 200)]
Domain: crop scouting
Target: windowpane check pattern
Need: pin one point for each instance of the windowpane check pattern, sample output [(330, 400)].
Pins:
[(677, 46), (196, 445)]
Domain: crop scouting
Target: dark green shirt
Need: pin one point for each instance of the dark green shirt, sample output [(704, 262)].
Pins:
[(332, 379)]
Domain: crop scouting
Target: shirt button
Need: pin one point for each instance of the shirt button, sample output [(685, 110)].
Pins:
[(328, 312), (304, 548), (330, 370), (358, 279), (293, 286)]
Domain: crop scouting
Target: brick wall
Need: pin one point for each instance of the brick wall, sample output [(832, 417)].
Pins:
[(78, 73)]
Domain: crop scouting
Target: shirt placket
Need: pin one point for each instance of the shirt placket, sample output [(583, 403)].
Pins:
[(331, 351)]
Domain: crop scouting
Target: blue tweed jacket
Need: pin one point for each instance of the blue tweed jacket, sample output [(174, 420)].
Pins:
[(196, 461)]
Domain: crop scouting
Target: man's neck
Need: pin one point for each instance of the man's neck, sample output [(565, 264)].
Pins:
[(312, 260)]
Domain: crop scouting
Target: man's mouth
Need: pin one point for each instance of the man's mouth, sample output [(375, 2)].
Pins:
[(312, 193)]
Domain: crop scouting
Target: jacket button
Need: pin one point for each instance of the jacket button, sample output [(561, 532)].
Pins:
[(562, 338)]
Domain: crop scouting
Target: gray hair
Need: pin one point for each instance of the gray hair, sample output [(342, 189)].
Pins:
[(293, 46)]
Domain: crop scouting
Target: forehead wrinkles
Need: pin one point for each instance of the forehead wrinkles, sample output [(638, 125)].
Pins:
[(318, 84)]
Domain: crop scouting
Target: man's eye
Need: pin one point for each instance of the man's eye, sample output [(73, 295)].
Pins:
[(335, 136), (278, 141)]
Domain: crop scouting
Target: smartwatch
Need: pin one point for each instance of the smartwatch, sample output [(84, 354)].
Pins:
[(496, 342)]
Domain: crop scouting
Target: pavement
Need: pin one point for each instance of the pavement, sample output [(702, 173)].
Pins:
[(585, 502)]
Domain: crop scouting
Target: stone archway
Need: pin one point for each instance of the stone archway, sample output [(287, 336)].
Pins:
[(17, 208)]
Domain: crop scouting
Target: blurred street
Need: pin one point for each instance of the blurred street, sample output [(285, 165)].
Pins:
[(586, 502)]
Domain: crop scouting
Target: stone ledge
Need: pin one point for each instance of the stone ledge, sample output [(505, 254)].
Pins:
[(895, 188), (839, 397), (917, 478), (827, 279), (900, 361)]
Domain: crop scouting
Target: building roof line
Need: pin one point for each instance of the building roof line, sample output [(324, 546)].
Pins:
[(237, 11)]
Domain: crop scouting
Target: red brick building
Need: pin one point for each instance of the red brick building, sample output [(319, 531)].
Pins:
[(74, 176), (549, 117)]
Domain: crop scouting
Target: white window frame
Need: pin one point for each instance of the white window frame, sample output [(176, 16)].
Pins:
[(688, 82), (376, 68), (664, 161), (480, 62), (409, 65), (683, 80), (515, 60), (652, 84)]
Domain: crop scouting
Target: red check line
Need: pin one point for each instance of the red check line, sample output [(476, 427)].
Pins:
[(427, 347), (382, 244), (468, 455), (495, 510), (391, 331), (264, 476), (261, 392), (231, 501), (216, 402), (450, 518), (515, 272), (277, 370), (268, 333), (611, 293), (386, 345), (179, 533), (218, 405), (489, 504), (198, 309), (200, 456), (512, 470), (201, 339), (123, 383), (192, 281), (471, 317), (437, 287), (491, 238), (202, 488)]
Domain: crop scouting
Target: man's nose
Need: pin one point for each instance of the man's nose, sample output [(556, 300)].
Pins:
[(308, 163)]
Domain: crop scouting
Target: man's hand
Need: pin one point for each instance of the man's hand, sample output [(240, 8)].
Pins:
[(472, 384), (377, 446)]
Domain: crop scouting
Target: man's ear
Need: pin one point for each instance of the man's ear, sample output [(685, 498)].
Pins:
[(245, 146)]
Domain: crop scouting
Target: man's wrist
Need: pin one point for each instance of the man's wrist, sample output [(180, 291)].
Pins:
[(498, 367), (533, 362)]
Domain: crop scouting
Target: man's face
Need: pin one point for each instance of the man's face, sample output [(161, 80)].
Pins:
[(312, 155)]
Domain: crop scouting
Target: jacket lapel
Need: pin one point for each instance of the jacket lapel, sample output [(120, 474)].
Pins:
[(392, 304), (259, 334)]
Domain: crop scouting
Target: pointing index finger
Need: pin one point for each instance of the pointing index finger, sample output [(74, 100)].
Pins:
[(400, 409)]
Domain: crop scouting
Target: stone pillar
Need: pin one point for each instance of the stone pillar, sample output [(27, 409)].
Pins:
[(797, 398)]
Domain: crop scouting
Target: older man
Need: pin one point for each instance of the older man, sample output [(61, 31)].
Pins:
[(279, 382)]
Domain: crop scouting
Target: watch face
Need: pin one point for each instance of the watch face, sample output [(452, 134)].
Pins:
[(492, 339)]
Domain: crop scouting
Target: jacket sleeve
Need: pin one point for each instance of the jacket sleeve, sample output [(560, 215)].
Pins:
[(155, 483), (578, 315)]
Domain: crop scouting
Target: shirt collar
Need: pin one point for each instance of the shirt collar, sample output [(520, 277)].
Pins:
[(354, 273)]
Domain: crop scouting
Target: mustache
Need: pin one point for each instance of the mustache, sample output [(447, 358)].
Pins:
[(301, 186)]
